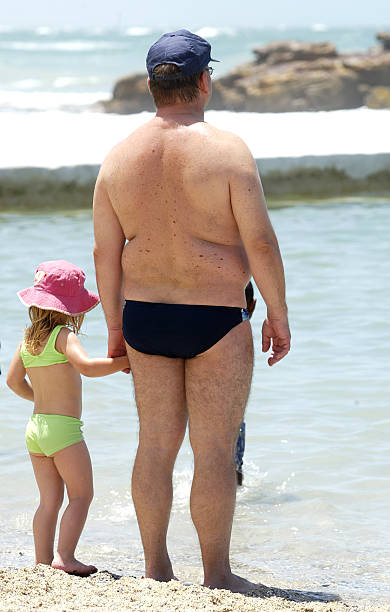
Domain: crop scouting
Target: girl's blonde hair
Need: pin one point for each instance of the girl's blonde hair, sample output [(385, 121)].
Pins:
[(42, 324)]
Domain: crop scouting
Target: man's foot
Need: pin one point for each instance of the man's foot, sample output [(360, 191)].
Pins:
[(160, 569), (72, 566), (161, 576), (234, 583)]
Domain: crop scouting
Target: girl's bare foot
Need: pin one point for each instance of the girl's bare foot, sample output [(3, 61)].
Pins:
[(234, 583), (72, 566)]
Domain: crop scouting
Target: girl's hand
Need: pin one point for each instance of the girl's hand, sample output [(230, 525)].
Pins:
[(123, 363)]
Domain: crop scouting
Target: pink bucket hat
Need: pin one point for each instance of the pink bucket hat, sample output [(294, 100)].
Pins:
[(59, 285)]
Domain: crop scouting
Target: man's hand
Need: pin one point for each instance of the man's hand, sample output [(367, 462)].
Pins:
[(116, 345), (276, 335)]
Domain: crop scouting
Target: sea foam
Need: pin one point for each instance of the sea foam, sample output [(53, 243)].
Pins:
[(56, 138)]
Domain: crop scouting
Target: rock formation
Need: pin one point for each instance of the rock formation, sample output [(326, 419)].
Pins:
[(286, 76), (384, 38), (130, 95), (378, 97)]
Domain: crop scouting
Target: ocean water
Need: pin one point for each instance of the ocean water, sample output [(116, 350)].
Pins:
[(51, 79), (68, 69), (314, 508)]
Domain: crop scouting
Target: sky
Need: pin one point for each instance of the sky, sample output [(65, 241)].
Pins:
[(193, 13)]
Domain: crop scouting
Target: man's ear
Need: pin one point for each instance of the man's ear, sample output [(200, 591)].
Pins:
[(148, 82), (204, 82)]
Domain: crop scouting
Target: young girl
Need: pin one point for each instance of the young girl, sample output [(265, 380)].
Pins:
[(53, 358)]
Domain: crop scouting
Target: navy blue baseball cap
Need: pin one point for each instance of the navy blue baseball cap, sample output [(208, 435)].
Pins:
[(188, 51)]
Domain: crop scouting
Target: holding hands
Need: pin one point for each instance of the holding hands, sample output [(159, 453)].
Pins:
[(116, 345)]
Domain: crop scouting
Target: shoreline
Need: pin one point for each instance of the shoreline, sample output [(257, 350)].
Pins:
[(286, 180), (47, 589), (309, 155)]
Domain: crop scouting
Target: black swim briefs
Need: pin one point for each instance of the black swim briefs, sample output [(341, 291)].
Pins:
[(177, 330)]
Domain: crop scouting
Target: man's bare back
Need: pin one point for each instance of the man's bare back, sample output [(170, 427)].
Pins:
[(169, 186)]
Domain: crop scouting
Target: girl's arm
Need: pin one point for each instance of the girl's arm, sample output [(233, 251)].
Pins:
[(69, 345), (16, 378)]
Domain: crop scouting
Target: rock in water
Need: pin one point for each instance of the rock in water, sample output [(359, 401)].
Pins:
[(299, 86), (384, 38), (289, 51), (378, 97), (130, 95), (285, 76)]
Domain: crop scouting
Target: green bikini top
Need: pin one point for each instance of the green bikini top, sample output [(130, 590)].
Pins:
[(49, 355)]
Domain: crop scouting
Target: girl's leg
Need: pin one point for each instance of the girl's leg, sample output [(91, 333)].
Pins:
[(51, 489), (74, 466)]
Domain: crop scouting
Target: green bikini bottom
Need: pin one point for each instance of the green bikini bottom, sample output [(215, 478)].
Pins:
[(49, 433)]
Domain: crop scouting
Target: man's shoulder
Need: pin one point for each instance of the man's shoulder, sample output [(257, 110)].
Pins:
[(222, 145), (124, 146), (231, 149), (225, 135), (113, 154), (228, 139)]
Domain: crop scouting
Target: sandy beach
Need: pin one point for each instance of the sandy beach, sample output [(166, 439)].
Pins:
[(47, 589)]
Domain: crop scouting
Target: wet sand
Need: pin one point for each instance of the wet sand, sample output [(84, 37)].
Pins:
[(46, 589)]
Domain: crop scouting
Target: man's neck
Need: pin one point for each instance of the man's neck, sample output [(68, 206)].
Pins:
[(182, 113)]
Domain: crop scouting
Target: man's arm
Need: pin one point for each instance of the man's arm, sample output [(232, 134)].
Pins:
[(261, 246), (109, 243)]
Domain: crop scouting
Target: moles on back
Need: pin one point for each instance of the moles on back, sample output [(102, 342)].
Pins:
[(169, 186)]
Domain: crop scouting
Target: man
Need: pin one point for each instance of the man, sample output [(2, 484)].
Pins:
[(180, 224)]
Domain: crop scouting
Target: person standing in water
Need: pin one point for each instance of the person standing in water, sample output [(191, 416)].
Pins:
[(180, 226), (53, 359), (240, 445)]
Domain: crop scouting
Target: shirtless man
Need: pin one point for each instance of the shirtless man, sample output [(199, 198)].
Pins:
[(180, 225)]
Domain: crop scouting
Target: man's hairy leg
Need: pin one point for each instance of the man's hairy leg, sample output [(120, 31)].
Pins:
[(159, 392), (217, 388)]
